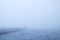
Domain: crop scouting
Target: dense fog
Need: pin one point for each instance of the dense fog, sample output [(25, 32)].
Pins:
[(29, 19), (42, 14)]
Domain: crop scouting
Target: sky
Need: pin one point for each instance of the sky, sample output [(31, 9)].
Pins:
[(30, 13)]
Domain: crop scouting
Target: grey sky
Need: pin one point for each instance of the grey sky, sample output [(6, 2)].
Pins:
[(30, 13)]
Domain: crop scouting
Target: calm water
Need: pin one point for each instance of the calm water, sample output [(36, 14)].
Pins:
[(31, 35)]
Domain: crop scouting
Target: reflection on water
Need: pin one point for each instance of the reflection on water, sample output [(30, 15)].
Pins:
[(31, 35)]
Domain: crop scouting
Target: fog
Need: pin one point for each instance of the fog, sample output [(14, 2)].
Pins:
[(42, 14)]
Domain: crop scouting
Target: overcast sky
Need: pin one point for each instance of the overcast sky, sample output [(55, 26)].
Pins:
[(30, 13)]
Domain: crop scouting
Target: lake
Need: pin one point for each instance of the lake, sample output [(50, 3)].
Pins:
[(30, 34)]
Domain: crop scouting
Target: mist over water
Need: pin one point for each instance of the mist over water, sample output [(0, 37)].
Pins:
[(37, 19), (32, 13)]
